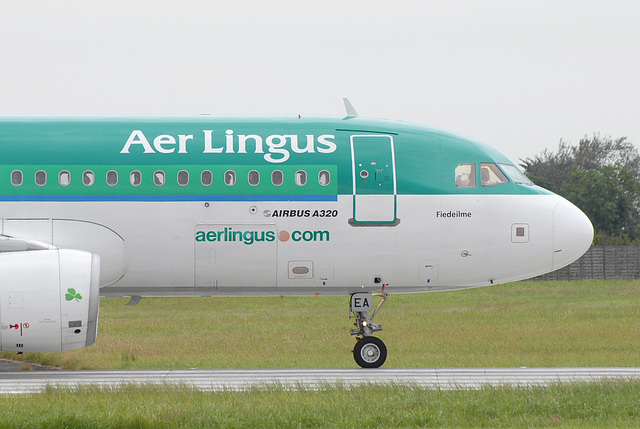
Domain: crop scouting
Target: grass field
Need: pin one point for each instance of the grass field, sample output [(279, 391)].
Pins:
[(594, 405), (586, 323)]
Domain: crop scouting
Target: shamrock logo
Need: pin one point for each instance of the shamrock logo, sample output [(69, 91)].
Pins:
[(72, 294)]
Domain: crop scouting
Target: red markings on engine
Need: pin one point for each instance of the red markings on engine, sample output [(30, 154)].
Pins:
[(20, 326)]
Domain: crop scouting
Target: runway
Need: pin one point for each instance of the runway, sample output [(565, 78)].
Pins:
[(235, 379)]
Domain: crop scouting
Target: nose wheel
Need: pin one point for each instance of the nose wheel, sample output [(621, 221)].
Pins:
[(369, 351)]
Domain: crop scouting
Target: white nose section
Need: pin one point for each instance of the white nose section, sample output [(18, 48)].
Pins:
[(572, 233)]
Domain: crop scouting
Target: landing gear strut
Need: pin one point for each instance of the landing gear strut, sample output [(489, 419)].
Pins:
[(369, 351)]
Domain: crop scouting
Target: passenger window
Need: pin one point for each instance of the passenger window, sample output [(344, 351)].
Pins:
[(41, 178), (112, 178), (277, 178), (466, 175), (159, 178), (301, 177), (206, 178), (183, 177), (324, 178), (230, 178), (64, 178), (88, 178), (491, 175), (135, 178), (16, 178), (254, 178)]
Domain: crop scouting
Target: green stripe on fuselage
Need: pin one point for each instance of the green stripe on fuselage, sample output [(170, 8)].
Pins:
[(426, 158)]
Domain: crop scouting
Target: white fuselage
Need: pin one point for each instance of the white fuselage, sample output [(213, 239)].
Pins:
[(440, 242)]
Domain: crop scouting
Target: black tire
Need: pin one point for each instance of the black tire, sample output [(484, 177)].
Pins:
[(370, 352)]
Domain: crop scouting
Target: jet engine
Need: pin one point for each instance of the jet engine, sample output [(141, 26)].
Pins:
[(48, 300)]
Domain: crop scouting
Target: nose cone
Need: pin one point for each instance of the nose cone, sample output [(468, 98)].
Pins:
[(572, 233)]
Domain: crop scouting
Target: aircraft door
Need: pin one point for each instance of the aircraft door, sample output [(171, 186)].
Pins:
[(374, 179)]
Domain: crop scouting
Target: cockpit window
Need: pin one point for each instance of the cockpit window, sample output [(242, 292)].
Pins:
[(491, 175), (466, 175), (515, 174)]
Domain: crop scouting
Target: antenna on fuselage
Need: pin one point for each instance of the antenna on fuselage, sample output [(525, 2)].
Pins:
[(351, 112)]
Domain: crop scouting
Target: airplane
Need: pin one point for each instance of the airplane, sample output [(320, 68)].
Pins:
[(114, 206)]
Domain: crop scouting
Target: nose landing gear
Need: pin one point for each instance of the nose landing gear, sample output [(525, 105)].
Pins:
[(369, 351)]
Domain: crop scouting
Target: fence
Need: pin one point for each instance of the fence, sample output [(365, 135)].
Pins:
[(601, 262)]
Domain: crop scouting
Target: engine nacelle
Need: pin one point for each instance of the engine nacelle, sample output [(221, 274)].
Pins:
[(48, 300)]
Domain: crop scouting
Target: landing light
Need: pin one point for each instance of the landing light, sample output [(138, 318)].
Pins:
[(365, 323)]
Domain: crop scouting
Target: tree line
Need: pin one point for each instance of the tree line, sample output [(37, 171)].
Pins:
[(599, 175)]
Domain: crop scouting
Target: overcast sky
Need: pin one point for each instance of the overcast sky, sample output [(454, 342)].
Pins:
[(518, 75)]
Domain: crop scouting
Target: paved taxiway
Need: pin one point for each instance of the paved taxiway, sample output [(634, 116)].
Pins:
[(232, 379)]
